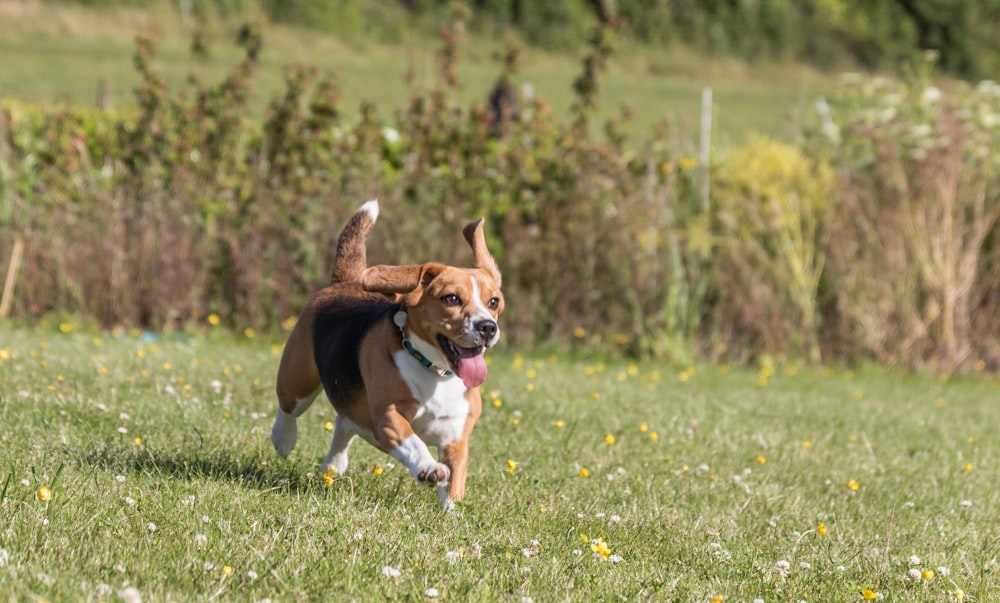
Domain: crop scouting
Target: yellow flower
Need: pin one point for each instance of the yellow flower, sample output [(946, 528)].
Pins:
[(44, 494), (600, 547), (249, 333), (377, 470), (716, 599), (214, 320), (531, 373), (927, 574), (560, 424), (529, 387), (821, 529), (67, 327), (511, 465), (760, 459), (497, 402), (584, 472), (644, 427), (968, 468), (328, 476), (853, 485), (227, 570), (289, 323), (609, 439), (806, 444), (579, 332), (868, 594), (654, 436), (958, 595), (137, 442), (328, 426), (5, 354)]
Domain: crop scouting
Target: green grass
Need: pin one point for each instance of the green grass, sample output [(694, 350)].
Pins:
[(727, 490), (58, 54)]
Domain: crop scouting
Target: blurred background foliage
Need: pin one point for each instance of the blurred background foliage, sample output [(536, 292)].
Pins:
[(875, 35), (869, 233)]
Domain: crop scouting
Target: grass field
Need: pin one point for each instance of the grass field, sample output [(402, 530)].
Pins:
[(135, 462), (58, 54)]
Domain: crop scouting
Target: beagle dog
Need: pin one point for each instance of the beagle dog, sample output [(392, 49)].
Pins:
[(399, 352)]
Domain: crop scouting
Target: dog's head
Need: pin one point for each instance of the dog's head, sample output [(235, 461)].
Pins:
[(452, 312)]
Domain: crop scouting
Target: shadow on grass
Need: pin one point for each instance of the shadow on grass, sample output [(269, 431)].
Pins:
[(194, 463)]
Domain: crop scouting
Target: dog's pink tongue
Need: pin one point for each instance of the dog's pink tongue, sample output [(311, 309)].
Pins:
[(472, 370)]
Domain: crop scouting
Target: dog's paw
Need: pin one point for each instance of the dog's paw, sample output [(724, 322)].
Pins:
[(433, 474), (284, 433)]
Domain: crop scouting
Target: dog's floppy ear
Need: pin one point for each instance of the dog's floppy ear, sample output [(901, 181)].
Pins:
[(393, 281), (481, 256)]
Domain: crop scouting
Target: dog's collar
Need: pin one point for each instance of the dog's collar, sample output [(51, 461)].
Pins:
[(399, 319)]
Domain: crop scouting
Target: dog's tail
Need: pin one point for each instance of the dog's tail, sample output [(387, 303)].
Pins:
[(351, 258)]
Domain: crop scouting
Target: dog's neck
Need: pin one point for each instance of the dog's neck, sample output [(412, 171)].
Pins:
[(399, 319)]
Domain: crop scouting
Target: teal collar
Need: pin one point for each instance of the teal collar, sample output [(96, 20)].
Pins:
[(399, 319)]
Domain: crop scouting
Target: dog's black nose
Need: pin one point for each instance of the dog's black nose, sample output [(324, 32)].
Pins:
[(487, 329)]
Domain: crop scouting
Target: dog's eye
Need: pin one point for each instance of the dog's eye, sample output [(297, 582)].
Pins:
[(451, 300), (494, 303)]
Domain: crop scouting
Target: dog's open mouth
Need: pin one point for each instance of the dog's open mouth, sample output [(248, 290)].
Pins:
[(468, 363)]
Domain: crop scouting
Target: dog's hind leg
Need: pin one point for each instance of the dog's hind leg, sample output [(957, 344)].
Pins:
[(297, 386), (343, 434)]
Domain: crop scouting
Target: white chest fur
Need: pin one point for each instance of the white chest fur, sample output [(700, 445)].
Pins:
[(443, 410)]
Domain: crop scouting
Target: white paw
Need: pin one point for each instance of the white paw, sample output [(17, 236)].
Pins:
[(446, 503), (284, 433), (338, 462)]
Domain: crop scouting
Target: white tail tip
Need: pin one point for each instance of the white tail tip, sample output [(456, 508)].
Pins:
[(371, 208)]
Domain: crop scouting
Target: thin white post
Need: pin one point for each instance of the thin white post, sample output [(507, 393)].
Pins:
[(705, 147)]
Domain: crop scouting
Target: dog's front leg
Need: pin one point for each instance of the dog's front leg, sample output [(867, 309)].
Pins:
[(395, 436), (455, 456)]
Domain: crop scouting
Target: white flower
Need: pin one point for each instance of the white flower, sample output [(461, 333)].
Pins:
[(390, 572), (208, 566), (124, 416), (431, 592), (914, 560), (122, 430), (914, 575), (782, 567), (215, 386), (151, 526), (200, 540), (758, 601), (130, 501), (909, 504), (4, 557), (452, 556), (965, 503), (930, 96), (252, 575), (102, 590), (25, 483), (131, 595), (615, 558), (805, 565), (120, 479), (531, 550), (943, 572), (390, 135)]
